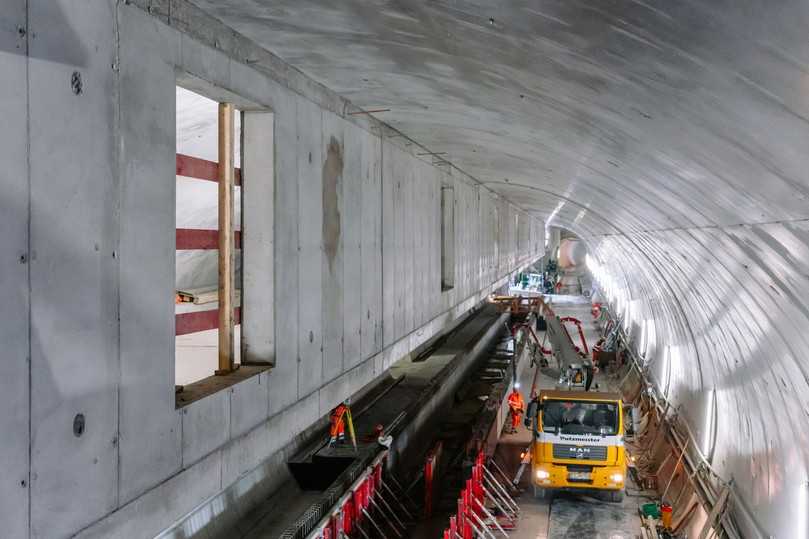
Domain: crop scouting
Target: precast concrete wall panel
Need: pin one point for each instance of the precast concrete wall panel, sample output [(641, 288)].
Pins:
[(400, 260), (418, 213), (14, 283), (373, 203), (333, 232), (420, 258), (74, 270), (408, 217), (258, 220), (206, 426), (389, 246), (355, 141), (426, 233), (284, 383), (149, 441), (248, 404), (310, 245), (434, 205)]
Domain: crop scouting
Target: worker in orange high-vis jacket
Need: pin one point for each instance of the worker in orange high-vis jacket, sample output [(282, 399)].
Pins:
[(516, 405), (337, 431)]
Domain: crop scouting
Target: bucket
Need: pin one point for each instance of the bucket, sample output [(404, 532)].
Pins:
[(665, 511), (651, 510)]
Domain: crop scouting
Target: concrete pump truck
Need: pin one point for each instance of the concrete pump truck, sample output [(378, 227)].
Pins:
[(577, 442), (577, 434)]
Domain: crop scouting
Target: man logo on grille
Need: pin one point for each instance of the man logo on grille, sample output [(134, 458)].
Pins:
[(580, 452)]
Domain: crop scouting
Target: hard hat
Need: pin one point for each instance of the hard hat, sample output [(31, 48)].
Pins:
[(516, 385)]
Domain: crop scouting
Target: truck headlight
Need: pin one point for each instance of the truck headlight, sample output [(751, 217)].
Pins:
[(542, 474), (617, 478)]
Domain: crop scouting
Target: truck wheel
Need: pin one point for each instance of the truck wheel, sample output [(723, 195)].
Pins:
[(541, 493), (616, 496)]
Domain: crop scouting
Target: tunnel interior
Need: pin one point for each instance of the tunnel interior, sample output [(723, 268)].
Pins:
[(668, 138)]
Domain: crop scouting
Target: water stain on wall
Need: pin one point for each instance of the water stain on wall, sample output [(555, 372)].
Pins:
[(332, 179)]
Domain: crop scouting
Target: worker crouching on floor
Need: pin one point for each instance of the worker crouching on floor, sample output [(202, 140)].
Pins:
[(516, 405), (337, 430)]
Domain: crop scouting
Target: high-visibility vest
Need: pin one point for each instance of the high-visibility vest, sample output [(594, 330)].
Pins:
[(515, 401)]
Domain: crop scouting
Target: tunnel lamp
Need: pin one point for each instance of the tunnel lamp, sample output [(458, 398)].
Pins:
[(617, 478), (542, 474)]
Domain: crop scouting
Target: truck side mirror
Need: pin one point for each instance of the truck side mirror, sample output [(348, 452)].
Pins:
[(530, 416), (632, 418)]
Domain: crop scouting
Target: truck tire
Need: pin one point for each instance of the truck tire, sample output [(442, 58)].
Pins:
[(616, 496), (541, 493)]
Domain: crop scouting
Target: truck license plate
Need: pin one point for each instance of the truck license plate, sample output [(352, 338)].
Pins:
[(579, 476)]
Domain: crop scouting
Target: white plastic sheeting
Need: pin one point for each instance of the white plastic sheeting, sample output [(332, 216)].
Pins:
[(197, 136), (721, 318)]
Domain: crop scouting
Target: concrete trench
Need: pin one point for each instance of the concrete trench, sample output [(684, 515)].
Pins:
[(412, 394)]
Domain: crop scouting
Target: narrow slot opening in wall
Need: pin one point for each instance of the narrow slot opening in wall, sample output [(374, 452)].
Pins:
[(200, 125), (447, 238)]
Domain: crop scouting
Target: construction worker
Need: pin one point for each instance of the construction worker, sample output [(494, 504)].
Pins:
[(337, 430), (516, 405)]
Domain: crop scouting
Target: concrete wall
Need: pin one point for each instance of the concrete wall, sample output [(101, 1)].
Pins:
[(88, 210)]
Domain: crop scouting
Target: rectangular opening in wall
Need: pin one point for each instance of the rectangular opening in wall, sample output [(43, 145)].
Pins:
[(202, 131), (447, 238)]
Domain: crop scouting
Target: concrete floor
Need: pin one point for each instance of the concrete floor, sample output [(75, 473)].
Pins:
[(565, 516)]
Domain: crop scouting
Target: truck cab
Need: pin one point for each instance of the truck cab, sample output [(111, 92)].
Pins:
[(577, 442)]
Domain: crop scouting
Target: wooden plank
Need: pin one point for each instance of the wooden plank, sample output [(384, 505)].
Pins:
[(194, 322), (717, 510), (201, 169), (199, 239)]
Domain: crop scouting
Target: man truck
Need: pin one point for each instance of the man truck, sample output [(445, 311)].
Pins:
[(577, 443)]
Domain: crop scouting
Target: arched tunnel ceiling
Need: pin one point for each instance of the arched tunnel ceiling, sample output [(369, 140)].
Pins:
[(671, 135), (675, 114)]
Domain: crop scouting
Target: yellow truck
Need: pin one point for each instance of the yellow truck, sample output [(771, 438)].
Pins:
[(577, 443)]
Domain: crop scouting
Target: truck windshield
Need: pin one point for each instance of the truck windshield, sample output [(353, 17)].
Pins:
[(577, 417)]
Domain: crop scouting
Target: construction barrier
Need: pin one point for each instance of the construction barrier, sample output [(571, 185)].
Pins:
[(196, 239), (369, 507), (484, 505), (430, 475)]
